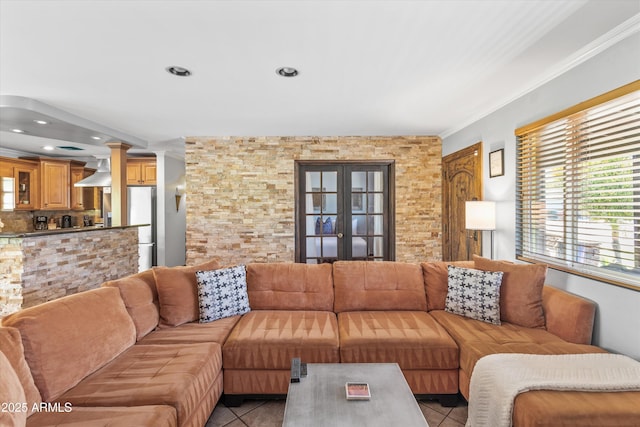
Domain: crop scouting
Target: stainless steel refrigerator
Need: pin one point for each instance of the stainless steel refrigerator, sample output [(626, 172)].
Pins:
[(142, 210)]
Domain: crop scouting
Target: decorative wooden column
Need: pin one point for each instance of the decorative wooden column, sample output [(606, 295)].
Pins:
[(118, 182)]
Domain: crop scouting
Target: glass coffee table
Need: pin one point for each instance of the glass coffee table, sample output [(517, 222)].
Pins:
[(319, 399)]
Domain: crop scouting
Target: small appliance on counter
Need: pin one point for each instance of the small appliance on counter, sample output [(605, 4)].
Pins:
[(66, 221), (52, 224), (40, 222)]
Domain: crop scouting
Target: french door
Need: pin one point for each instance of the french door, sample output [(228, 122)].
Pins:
[(344, 211)]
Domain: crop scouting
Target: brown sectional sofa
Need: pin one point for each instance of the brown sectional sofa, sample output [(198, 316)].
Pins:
[(133, 353)]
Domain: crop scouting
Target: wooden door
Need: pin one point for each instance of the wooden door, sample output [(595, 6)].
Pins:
[(462, 181)]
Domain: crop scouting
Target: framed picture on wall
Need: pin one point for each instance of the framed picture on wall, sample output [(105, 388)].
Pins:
[(496, 163)]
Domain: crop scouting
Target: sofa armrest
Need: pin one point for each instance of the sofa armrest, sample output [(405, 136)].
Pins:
[(568, 316)]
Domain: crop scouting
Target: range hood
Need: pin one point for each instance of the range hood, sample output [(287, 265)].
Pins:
[(101, 177)]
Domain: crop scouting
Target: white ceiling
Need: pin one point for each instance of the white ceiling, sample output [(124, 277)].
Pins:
[(366, 67)]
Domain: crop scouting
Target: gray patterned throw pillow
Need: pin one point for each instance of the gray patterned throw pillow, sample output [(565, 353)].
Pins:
[(474, 294), (222, 293)]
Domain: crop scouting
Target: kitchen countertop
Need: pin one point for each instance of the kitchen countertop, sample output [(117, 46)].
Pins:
[(36, 233)]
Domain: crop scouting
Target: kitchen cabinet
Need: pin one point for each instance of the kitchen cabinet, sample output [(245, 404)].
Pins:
[(141, 171), (26, 182), (54, 184), (82, 198)]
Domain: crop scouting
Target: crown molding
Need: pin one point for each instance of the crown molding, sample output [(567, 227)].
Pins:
[(628, 28)]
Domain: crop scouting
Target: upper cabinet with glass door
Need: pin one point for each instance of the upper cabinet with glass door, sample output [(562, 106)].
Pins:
[(25, 181)]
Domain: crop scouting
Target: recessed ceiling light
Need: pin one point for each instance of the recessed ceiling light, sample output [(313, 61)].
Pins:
[(178, 71), (287, 71), (97, 138), (48, 148), (41, 122), (17, 130)]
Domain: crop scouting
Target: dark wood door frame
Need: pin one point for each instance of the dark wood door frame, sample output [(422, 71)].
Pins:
[(390, 188)]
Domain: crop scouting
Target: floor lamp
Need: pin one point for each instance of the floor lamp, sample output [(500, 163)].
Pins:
[(480, 216)]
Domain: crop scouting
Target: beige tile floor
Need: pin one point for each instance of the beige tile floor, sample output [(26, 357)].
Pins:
[(269, 413)]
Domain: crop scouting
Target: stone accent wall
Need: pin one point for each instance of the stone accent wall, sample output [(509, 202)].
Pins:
[(11, 262), (241, 193), (43, 268)]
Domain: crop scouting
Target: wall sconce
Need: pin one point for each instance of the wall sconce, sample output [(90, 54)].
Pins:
[(481, 216), (179, 193)]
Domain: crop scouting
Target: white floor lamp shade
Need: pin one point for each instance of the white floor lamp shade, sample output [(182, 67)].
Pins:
[(481, 215)]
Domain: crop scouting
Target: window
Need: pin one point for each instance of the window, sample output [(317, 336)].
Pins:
[(578, 189), (7, 202)]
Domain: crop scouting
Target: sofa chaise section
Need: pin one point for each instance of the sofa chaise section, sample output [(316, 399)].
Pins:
[(566, 329), (80, 349), (18, 389)]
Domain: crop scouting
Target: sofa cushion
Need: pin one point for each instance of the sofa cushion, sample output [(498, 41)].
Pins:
[(69, 338), (141, 301), (193, 332), (362, 285), (567, 315), (436, 276), (289, 286), (222, 293), (521, 291), (152, 416), (11, 346), (413, 339), (12, 395), (178, 293), (269, 339), (176, 375), (474, 294)]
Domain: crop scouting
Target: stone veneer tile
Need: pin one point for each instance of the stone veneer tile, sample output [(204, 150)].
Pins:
[(241, 193), (37, 269)]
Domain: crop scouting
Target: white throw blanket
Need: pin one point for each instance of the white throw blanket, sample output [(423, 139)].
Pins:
[(498, 378)]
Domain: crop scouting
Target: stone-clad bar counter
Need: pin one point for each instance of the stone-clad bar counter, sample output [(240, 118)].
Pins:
[(43, 265)]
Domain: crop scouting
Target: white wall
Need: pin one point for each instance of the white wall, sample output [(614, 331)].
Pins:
[(172, 223), (618, 318)]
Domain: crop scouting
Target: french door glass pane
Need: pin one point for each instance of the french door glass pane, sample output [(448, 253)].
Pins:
[(375, 203), (359, 224), (359, 248), (378, 247), (330, 181), (375, 181), (358, 181), (330, 204), (375, 225), (313, 181)]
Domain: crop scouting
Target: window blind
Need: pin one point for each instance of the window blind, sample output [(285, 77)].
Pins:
[(578, 189)]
